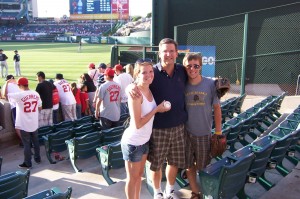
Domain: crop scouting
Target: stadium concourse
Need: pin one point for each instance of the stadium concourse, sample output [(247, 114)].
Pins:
[(90, 183)]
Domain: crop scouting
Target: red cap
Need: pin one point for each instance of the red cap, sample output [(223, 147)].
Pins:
[(92, 65), (109, 72), (22, 81), (119, 67)]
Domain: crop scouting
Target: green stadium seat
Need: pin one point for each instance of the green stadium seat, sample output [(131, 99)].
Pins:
[(14, 184), (260, 162), (83, 147), (45, 130), (226, 177), (289, 124), (63, 125), (123, 119), (84, 129), (232, 135), (55, 142), (111, 135), (84, 120), (53, 193), (110, 157)]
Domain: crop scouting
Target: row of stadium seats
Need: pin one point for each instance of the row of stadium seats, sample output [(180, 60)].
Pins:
[(227, 177), (15, 185)]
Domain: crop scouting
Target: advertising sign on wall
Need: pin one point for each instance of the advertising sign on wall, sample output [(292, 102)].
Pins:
[(208, 57)]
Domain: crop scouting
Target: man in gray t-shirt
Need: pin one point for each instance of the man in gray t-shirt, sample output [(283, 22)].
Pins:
[(109, 98), (200, 99)]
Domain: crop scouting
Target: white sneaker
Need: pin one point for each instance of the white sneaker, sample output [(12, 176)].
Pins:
[(159, 196), (171, 195)]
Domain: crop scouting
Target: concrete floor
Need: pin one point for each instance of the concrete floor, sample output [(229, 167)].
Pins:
[(91, 184)]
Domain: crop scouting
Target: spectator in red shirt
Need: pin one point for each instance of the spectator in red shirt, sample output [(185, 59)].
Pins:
[(76, 93), (84, 98)]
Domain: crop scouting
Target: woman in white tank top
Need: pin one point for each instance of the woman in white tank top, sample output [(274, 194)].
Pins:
[(135, 138)]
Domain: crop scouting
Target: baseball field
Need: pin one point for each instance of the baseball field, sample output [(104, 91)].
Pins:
[(52, 58)]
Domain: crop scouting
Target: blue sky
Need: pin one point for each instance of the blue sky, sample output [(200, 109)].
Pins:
[(58, 8)]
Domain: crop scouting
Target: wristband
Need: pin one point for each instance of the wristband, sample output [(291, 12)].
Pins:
[(218, 133)]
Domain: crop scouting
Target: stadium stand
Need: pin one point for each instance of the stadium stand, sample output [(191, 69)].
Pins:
[(14, 184), (53, 193)]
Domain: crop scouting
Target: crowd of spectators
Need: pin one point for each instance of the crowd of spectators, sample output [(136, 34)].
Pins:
[(71, 28)]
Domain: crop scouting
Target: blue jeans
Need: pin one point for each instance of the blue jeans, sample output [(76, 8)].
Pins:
[(78, 111), (27, 139), (107, 124), (124, 108), (55, 115), (134, 153)]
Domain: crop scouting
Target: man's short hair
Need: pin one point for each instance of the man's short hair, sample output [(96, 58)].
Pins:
[(59, 76), (8, 77), (41, 74), (168, 41), (192, 56)]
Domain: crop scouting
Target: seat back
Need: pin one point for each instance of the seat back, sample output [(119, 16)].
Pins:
[(43, 131), (84, 129), (282, 144), (122, 119), (53, 193), (289, 124), (262, 154), (14, 185), (84, 120), (112, 135), (293, 116), (57, 140), (86, 145), (233, 177), (115, 156), (233, 134), (63, 125)]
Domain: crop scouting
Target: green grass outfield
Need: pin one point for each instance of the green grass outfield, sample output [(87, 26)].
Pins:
[(52, 58)]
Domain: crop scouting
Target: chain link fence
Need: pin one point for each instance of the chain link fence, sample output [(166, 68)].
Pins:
[(258, 51)]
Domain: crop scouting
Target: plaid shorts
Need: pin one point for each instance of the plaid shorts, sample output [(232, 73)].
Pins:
[(197, 151), (167, 144), (45, 117)]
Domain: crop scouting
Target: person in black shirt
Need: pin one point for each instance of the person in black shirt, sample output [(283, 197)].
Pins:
[(3, 63), (17, 63), (45, 88)]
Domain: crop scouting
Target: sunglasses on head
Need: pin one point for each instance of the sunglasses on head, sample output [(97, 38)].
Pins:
[(190, 66), (139, 61)]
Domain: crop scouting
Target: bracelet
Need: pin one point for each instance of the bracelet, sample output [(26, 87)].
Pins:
[(218, 133)]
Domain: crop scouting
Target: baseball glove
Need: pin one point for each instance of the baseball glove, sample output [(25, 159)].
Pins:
[(217, 145), (222, 86)]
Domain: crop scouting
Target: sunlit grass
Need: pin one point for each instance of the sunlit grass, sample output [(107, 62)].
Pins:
[(52, 58)]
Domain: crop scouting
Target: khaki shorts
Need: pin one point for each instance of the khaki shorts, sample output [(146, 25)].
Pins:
[(167, 144), (197, 151)]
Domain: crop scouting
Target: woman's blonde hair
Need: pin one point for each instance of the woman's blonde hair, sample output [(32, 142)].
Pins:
[(129, 69), (138, 64)]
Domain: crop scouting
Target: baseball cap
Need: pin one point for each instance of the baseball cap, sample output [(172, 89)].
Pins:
[(22, 81), (92, 65), (102, 65), (109, 72), (8, 77), (119, 67), (59, 76)]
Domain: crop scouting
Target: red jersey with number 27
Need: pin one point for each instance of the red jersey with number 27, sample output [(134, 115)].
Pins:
[(27, 112)]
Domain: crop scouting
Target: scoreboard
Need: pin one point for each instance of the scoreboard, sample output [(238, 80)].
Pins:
[(99, 9)]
